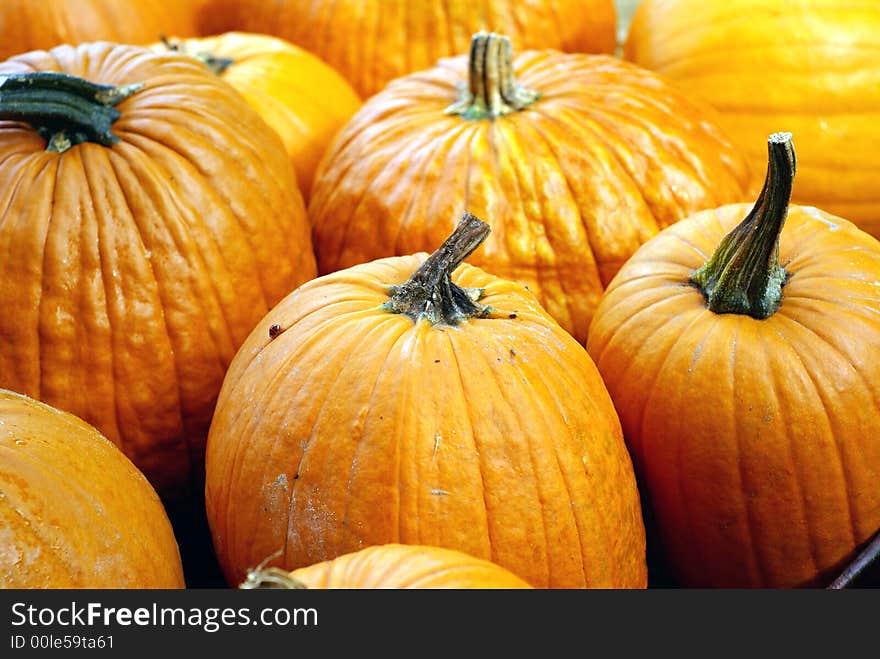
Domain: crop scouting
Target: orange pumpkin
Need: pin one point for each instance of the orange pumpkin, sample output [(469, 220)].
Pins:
[(75, 512), (27, 25), (748, 385), (391, 566), (372, 42), (810, 65), (577, 160), (139, 244), (394, 403), (297, 94)]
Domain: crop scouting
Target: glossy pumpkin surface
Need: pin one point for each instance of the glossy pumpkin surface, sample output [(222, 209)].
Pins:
[(130, 273), (572, 183), (74, 511), (303, 99), (809, 66), (392, 566), (371, 42), (755, 439), (492, 435)]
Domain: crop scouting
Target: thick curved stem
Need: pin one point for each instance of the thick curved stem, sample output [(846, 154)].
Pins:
[(744, 276), (64, 109), (430, 293), (492, 90)]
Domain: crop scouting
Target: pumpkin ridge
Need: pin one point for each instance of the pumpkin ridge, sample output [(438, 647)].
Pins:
[(56, 165), (319, 411), (846, 360), (793, 458), (457, 367), (438, 152), (402, 332), (535, 492), (588, 222), (162, 294)]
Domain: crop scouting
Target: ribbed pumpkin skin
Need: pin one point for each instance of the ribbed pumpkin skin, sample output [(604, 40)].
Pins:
[(407, 566), (303, 99), (495, 437), (571, 185), (131, 274), (75, 512), (756, 440), (805, 66), (372, 42), (27, 25)]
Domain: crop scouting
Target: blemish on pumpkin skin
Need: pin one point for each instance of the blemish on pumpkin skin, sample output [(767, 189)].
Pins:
[(442, 493), (274, 330)]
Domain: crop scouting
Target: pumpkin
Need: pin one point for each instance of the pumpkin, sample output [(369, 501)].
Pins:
[(745, 365), (148, 219), (576, 159), (810, 65), (390, 566), (395, 402), (303, 99), (75, 512), (27, 25), (371, 42)]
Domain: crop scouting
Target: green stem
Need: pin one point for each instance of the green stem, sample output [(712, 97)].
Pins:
[(744, 276), (64, 109), (430, 293), (492, 90)]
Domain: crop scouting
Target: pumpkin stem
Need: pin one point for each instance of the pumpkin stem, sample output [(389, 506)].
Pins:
[(430, 293), (216, 65), (744, 276), (492, 90), (868, 556), (268, 578), (64, 109)]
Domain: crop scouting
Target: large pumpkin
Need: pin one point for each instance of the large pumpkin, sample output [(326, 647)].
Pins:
[(373, 41), (575, 159), (391, 566), (392, 403), (748, 386), (27, 25), (303, 99), (810, 65), (74, 511), (139, 244)]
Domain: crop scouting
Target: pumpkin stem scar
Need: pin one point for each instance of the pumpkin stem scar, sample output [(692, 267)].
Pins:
[(65, 110), (216, 65), (492, 90), (744, 276), (430, 293)]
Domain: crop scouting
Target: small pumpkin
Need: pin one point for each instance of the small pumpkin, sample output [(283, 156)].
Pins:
[(395, 402), (148, 219), (303, 99), (27, 25), (810, 65), (371, 42), (576, 159), (391, 566), (75, 512), (745, 365)]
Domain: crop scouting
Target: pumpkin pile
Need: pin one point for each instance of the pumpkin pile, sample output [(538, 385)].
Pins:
[(438, 295)]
